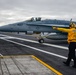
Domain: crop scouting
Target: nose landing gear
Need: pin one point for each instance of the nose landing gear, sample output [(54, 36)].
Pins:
[(41, 40)]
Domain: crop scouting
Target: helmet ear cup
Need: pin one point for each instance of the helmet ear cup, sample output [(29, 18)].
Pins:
[(75, 26), (72, 25)]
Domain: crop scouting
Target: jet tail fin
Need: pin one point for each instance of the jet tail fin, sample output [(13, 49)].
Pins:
[(71, 20)]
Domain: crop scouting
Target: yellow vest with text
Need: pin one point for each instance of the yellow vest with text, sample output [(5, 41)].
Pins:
[(71, 34)]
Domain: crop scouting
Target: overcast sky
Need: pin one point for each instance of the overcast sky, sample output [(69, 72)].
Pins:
[(19, 10)]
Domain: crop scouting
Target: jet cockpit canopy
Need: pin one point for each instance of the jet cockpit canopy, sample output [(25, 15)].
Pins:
[(34, 19)]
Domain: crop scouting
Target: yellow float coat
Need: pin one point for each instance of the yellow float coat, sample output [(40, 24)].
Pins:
[(71, 34)]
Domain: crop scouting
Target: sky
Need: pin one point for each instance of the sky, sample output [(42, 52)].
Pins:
[(12, 11)]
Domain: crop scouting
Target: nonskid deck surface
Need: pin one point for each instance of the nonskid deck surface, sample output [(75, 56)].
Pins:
[(23, 65)]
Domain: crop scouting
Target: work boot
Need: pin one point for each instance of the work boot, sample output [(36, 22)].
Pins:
[(66, 63)]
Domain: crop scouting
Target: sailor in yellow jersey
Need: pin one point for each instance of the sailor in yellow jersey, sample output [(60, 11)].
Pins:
[(71, 41)]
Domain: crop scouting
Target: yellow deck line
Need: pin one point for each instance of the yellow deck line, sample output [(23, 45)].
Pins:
[(52, 69)]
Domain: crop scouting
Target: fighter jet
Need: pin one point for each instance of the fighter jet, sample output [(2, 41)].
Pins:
[(39, 27)]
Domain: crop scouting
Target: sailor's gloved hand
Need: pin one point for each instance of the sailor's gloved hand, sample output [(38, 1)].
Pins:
[(54, 28)]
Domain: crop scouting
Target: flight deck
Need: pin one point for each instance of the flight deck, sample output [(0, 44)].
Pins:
[(21, 54), (19, 63)]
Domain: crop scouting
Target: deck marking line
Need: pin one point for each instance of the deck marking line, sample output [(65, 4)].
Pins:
[(51, 68), (57, 46), (37, 49)]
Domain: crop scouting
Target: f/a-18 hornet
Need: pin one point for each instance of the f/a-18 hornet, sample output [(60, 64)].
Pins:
[(39, 27)]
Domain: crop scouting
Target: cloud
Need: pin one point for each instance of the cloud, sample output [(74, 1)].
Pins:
[(18, 10)]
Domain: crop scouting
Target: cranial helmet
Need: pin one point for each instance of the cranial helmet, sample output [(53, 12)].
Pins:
[(72, 25)]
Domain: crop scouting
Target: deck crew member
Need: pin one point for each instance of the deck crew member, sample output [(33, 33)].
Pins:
[(71, 41)]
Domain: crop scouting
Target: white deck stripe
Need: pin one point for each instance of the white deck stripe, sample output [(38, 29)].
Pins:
[(37, 49), (57, 46)]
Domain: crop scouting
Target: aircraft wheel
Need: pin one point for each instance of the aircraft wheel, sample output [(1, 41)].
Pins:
[(41, 40)]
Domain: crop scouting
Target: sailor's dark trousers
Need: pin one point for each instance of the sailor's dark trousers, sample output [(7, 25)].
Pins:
[(71, 54)]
